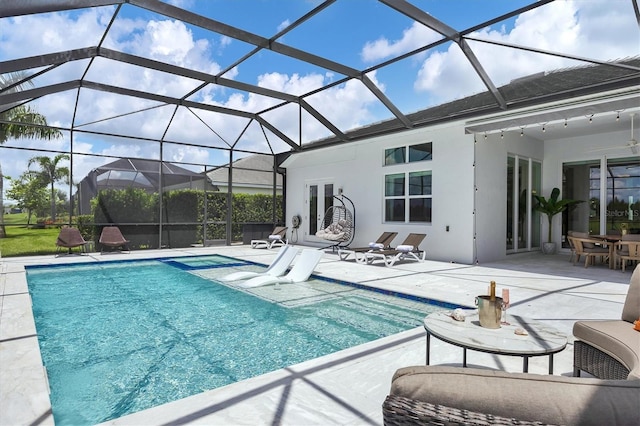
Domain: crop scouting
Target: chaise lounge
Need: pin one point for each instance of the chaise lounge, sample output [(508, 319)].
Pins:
[(443, 395), (277, 238), (382, 243), (408, 250), (300, 272), (277, 268)]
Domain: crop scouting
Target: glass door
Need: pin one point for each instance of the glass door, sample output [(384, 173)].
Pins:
[(318, 199), (524, 178), (611, 191)]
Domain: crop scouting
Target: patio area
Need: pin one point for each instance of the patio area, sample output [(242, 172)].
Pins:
[(347, 387)]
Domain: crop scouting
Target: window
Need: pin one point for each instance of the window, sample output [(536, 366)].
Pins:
[(394, 156), (418, 152), (412, 189)]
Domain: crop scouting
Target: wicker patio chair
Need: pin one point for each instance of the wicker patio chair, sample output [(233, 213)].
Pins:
[(610, 349)]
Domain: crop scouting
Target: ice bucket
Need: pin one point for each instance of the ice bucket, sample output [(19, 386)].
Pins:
[(489, 311)]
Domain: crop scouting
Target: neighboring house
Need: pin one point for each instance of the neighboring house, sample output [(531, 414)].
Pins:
[(127, 173), (462, 177), (251, 175)]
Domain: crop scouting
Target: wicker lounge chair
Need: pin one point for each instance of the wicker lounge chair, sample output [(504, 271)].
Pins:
[(112, 238), (277, 267), (278, 238), (444, 395), (408, 250), (382, 243), (71, 238), (610, 349)]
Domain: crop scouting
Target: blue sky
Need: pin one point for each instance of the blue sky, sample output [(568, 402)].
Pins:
[(357, 33)]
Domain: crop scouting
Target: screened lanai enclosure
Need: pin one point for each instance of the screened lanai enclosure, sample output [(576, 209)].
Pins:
[(143, 99)]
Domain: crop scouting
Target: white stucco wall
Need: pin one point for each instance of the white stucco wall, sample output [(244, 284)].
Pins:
[(358, 169), (491, 183)]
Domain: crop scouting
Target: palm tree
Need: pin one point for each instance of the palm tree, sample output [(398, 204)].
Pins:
[(49, 174), (20, 122)]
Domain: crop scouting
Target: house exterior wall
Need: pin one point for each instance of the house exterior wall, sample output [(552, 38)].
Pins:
[(358, 169)]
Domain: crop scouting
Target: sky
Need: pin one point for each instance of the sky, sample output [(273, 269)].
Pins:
[(360, 34)]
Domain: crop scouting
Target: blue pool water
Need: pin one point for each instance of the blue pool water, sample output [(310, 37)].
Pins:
[(120, 337)]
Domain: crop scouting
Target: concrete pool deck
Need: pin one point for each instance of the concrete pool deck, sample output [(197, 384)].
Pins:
[(344, 388)]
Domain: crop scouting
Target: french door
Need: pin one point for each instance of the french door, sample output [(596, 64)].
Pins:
[(318, 198), (524, 178)]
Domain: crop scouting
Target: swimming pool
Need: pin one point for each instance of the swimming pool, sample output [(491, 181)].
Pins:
[(119, 337)]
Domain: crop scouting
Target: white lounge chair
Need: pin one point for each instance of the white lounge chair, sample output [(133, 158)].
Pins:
[(278, 238), (301, 271), (277, 267)]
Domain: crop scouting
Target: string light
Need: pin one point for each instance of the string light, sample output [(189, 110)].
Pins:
[(521, 131), (485, 136), (543, 128), (501, 134), (591, 118), (618, 116), (565, 123)]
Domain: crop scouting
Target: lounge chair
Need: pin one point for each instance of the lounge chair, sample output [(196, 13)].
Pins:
[(278, 238), (382, 243), (301, 271), (112, 237), (277, 267), (70, 238), (408, 250)]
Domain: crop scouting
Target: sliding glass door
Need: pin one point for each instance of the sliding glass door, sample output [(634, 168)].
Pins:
[(617, 182)]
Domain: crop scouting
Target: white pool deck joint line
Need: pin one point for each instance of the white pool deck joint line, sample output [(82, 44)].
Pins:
[(344, 388)]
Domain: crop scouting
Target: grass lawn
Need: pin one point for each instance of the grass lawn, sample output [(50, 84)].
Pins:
[(23, 241)]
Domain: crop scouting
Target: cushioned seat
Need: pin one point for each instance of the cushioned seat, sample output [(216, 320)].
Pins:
[(610, 349), (620, 342), (424, 395)]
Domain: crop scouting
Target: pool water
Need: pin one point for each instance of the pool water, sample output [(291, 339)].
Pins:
[(120, 337)]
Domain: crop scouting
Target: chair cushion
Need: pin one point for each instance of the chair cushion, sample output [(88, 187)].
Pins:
[(616, 338), (532, 397), (631, 310)]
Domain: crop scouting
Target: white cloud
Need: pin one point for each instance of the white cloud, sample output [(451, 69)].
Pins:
[(417, 35), (283, 25), (594, 29)]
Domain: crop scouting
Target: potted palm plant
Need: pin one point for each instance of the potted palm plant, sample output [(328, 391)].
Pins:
[(551, 207)]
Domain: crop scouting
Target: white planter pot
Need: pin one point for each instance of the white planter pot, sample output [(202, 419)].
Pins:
[(548, 248)]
